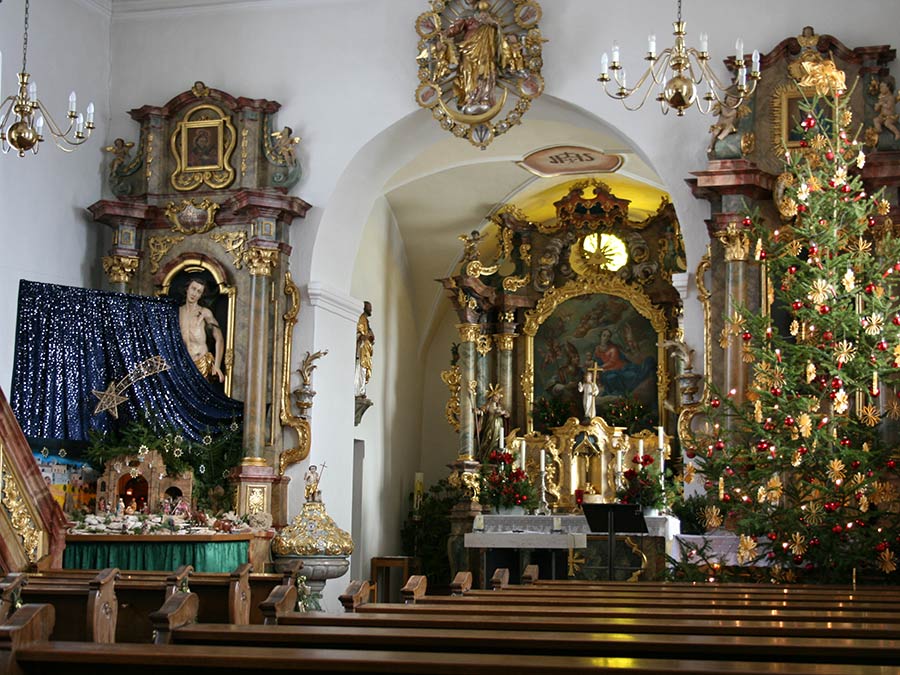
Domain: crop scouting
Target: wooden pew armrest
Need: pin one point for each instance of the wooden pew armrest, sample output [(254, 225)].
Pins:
[(530, 575), (282, 600), (500, 579), (357, 594), (414, 589), (461, 584), (102, 606), (239, 595), (178, 610)]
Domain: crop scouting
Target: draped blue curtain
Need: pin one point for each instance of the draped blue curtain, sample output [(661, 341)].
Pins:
[(71, 341)]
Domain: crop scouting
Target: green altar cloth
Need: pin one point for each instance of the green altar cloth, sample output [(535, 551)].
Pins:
[(207, 553)]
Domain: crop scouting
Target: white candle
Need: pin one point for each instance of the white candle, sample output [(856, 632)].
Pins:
[(502, 441), (573, 474), (739, 50), (615, 52), (662, 439), (641, 447), (704, 42), (542, 461), (90, 113), (604, 64), (478, 524), (522, 450), (619, 456), (755, 65), (651, 45), (72, 102)]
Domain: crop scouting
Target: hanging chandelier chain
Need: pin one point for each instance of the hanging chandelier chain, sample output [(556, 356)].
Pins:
[(679, 11), (25, 41)]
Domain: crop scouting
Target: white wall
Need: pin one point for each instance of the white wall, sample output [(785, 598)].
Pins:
[(46, 234), (390, 428)]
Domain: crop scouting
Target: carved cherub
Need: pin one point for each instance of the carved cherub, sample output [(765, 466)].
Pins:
[(470, 245), (283, 143), (120, 150), (886, 107)]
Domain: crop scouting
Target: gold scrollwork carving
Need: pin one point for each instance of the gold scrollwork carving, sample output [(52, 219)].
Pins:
[(245, 144), (735, 241), (261, 261), (468, 332), (234, 243), (748, 143), (298, 424), (637, 550), (477, 269), (256, 499), (483, 344), (120, 268), (194, 214), (505, 341), (159, 247), (20, 517), (527, 382), (512, 284), (525, 253), (452, 377)]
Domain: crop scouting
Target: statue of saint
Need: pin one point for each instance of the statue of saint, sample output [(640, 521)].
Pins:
[(194, 320), (311, 479), (365, 341), (725, 124), (478, 49), (491, 430), (589, 392)]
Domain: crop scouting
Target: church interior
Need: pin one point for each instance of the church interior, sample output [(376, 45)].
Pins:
[(424, 311)]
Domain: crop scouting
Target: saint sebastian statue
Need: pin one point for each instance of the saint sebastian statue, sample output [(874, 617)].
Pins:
[(194, 320)]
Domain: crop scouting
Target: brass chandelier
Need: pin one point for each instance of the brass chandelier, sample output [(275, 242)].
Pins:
[(23, 116), (677, 73)]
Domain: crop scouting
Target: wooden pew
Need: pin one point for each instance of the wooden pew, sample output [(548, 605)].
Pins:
[(24, 649), (89, 604)]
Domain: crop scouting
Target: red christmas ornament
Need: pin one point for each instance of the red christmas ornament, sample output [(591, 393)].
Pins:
[(802, 450), (881, 546), (801, 208), (776, 391), (770, 555), (827, 336), (788, 421), (829, 155), (798, 559), (691, 452), (824, 309), (715, 403), (792, 269), (747, 222), (772, 536), (726, 497), (719, 445), (814, 541), (836, 383), (869, 288), (891, 464), (809, 567), (747, 336), (837, 529), (797, 304), (882, 346), (845, 188), (896, 320)]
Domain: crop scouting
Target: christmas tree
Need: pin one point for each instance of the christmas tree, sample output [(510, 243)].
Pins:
[(803, 465)]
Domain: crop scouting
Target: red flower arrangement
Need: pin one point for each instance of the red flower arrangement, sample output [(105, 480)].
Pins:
[(642, 484), (503, 483)]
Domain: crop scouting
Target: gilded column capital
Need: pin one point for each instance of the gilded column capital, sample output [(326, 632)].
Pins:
[(483, 344), (261, 261), (505, 341), (120, 268), (735, 241), (468, 332)]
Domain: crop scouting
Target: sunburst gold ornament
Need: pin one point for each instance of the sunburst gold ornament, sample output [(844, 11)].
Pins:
[(841, 402), (798, 544), (774, 489), (873, 324), (886, 562), (869, 415), (804, 424), (479, 65), (712, 517), (815, 514), (836, 470), (848, 281), (844, 352), (824, 76), (746, 549)]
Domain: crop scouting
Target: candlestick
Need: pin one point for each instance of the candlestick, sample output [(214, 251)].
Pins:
[(523, 449), (542, 460)]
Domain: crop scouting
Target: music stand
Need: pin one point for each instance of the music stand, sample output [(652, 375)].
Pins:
[(611, 518)]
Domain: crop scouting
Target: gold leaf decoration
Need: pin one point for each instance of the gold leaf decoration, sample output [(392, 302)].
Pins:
[(824, 76), (798, 544), (821, 291), (869, 415), (836, 470), (844, 352), (746, 549), (712, 517), (873, 324), (815, 514), (886, 561)]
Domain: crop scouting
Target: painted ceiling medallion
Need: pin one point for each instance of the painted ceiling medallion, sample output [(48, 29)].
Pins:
[(478, 61)]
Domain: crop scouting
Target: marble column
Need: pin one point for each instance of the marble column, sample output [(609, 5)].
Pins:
[(504, 344), (736, 242), (468, 335), (262, 258)]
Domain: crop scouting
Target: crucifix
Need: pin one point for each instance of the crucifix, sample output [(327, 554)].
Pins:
[(595, 370)]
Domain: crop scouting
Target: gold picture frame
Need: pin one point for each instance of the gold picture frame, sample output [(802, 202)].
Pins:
[(786, 101), (202, 144)]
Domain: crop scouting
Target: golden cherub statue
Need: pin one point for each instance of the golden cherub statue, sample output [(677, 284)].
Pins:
[(120, 151), (283, 143)]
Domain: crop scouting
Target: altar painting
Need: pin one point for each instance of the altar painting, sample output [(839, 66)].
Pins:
[(596, 331)]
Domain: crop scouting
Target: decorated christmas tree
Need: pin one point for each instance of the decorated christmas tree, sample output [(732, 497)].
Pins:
[(803, 466)]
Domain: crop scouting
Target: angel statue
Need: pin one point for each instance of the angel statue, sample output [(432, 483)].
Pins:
[(283, 143), (120, 151)]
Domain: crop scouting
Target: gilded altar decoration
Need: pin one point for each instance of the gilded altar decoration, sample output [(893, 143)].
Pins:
[(261, 261), (313, 533), (159, 246), (189, 217), (202, 145), (119, 269), (234, 243), (20, 517), (300, 423), (479, 61), (452, 377)]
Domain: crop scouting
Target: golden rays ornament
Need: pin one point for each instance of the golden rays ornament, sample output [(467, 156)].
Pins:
[(836, 470), (869, 415), (479, 65), (824, 76), (712, 517), (798, 544), (886, 561), (746, 549)]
